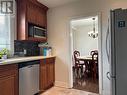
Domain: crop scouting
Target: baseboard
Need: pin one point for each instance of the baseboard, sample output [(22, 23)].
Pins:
[(61, 84)]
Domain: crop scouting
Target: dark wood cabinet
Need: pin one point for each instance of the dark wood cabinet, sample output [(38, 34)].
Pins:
[(43, 76), (36, 14), (9, 80), (50, 75), (30, 11), (47, 73)]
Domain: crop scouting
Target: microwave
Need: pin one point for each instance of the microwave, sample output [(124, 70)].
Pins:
[(36, 31)]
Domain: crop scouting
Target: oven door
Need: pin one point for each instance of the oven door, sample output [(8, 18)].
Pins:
[(39, 32)]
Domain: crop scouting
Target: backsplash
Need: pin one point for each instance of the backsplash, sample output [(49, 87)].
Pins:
[(31, 48)]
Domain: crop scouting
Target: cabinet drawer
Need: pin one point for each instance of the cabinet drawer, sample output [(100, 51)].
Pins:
[(7, 70), (48, 60), (51, 60)]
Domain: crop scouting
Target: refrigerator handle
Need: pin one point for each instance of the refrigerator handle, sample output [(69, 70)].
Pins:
[(108, 75), (107, 35)]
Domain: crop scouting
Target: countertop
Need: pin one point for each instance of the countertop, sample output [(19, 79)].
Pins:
[(23, 59)]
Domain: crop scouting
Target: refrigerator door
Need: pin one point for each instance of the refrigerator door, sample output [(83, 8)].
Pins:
[(110, 53), (112, 72), (119, 52)]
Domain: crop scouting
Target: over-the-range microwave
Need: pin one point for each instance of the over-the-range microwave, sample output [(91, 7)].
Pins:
[(36, 31)]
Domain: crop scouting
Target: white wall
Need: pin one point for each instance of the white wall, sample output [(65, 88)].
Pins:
[(58, 33), (82, 42)]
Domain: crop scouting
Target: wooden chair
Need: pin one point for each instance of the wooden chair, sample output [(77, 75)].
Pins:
[(95, 65), (90, 66), (78, 65), (93, 51)]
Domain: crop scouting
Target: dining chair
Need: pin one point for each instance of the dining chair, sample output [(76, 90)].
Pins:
[(95, 65), (78, 65), (90, 63), (93, 51)]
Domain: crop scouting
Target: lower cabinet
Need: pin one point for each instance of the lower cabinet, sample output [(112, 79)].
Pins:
[(43, 76), (9, 77), (47, 73), (50, 74), (9, 80)]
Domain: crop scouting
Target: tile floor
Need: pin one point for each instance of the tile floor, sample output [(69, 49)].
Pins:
[(64, 91)]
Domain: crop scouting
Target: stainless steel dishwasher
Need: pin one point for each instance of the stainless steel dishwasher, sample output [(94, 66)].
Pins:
[(29, 78)]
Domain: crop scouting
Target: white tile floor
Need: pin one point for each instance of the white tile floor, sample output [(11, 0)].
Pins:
[(64, 91)]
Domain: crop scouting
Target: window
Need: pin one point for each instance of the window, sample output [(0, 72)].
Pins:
[(7, 25), (5, 31)]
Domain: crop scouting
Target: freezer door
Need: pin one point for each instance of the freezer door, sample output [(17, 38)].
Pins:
[(120, 51)]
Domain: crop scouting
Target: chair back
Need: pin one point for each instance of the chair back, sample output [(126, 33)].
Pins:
[(93, 51), (95, 56), (76, 54), (95, 64)]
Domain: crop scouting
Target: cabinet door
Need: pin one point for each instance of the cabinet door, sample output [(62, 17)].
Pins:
[(9, 79), (50, 75), (41, 17), (7, 85), (36, 14), (31, 13), (43, 77), (44, 18), (47, 73)]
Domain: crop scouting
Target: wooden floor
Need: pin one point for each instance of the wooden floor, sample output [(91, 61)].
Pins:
[(86, 84)]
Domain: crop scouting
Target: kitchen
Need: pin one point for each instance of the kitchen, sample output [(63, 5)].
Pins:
[(27, 66), (58, 36)]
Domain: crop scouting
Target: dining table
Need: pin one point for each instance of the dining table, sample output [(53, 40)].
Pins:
[(86, 58), (88, 61)]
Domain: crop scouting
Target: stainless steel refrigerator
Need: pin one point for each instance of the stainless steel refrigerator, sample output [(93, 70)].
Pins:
[(117, 54)]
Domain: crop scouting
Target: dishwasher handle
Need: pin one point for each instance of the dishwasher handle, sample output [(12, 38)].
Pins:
[(28, 64)]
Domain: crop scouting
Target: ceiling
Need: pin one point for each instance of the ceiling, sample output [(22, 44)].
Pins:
[(83, 22), (55, 3)]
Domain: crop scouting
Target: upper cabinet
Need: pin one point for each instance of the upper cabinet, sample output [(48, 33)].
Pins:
[(33, 12), (36, 14)]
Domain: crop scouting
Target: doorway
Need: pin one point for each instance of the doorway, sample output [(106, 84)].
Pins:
[(85, 42)]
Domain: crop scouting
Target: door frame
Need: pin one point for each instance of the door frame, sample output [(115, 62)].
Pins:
[(100, 65)]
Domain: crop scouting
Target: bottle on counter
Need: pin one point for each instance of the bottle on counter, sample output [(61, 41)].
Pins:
[(45, 49), (48, 53)]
